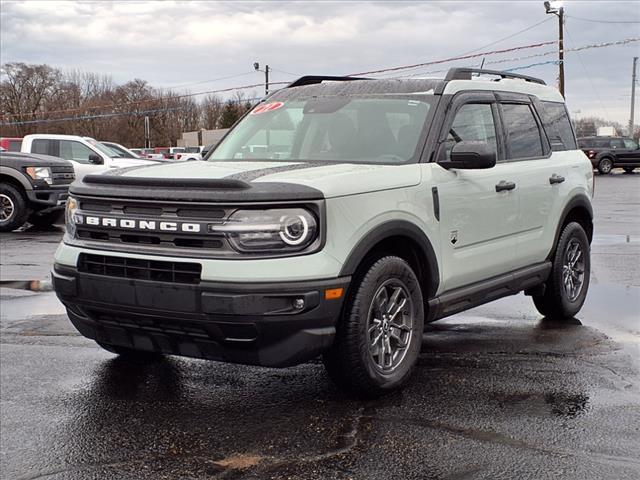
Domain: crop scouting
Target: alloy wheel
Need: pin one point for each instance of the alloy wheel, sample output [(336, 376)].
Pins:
[(573, 270), (390, 325), (7, 208)]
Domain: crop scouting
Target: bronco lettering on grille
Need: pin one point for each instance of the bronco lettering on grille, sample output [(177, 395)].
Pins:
[(135, 224)]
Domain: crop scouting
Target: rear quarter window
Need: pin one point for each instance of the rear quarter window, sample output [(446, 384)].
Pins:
[(558, 126)]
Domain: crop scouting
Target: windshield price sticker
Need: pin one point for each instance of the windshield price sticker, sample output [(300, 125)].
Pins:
[(266, 107)]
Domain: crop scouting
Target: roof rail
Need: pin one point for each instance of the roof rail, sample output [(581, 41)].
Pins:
[(466, 73), (312, 79)]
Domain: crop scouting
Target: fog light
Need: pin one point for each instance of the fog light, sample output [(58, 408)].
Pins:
[(298, 303)]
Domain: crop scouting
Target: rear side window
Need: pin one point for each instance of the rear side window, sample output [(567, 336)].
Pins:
[(523, 133), (41, 146), (14, 145), (558, 126)]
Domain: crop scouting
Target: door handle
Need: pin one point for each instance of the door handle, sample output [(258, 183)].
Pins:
[(553, 179), (503, 185)]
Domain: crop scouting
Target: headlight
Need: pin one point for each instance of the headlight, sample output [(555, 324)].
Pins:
[(276, 230), (70, 218), (40, 173)]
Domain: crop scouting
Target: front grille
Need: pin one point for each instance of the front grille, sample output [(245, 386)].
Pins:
[(159, 212), (140, 269), (62, 175)]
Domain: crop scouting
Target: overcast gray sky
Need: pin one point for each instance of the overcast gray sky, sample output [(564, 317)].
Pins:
[(177, 43)]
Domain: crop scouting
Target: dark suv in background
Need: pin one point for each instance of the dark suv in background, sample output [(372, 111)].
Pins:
[(607, 153)]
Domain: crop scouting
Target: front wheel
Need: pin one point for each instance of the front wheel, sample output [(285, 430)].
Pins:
[(379, 337), (13, 208), (605, 166), (566, 288)]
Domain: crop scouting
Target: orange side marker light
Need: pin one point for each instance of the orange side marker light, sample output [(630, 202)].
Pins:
[(333, 293)]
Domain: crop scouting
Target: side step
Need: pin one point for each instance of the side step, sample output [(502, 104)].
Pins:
[(464, 298)]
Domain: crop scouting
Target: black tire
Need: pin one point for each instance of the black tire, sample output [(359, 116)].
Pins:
[(47, 219), (350, 362), (13, 206), (557, 302), (628, 169), (605, 165), (131, 355)]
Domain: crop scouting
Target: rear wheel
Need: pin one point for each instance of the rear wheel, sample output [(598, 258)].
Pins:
[(13, 208), (566, 288), (131, 355), (605, 166), (379, 337), (628, 169)]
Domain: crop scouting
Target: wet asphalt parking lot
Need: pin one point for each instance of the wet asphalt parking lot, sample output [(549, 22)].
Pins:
[(499, 392)]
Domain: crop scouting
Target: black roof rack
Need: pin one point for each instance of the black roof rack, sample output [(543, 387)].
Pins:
[(312, 79), (466, 73)]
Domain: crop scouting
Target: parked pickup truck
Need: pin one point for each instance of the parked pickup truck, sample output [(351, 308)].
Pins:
[(86, 154), (33, 188)]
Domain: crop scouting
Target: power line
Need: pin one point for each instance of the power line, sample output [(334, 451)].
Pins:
[(211, 80), (462, 57), (604, 21), (148, 100), (507, 37), (113, 114)]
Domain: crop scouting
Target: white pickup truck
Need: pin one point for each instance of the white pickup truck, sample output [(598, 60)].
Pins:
[(86, 154)]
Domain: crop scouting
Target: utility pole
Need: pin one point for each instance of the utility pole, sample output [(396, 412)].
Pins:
[(256, 66), (147, 133), (633, 97), (557, 9)]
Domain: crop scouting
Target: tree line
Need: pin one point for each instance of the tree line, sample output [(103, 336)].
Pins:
[(90, 104)]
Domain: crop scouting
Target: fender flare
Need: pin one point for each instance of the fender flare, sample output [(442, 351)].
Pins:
[(395, 228), (579, 200), (10, 172)]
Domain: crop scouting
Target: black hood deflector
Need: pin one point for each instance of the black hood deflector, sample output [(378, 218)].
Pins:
[(191, 189)]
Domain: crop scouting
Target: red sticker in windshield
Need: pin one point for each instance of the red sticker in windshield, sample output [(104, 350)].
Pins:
[(266, 107)]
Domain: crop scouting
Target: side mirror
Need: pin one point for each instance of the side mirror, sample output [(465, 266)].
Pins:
[(96, 159), (471, 155)]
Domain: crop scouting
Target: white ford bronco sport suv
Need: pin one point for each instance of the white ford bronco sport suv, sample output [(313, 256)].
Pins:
[(370, 208)]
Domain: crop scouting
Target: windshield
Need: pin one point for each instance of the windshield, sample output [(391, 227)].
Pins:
[(354, 129), (120, 150), (102, 148)]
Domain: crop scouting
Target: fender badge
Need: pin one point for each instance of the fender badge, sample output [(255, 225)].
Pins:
[(454, 236)]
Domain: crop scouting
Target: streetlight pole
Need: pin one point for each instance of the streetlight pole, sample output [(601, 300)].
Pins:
[(256, 66), (633, 97), (557, 9)]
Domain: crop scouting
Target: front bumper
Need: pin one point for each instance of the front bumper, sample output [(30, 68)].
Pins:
[(49, 199), (250, 323)]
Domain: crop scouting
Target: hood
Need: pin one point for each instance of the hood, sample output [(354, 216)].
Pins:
[(332, 179)]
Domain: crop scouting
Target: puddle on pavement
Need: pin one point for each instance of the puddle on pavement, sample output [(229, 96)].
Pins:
[(559, 404)]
